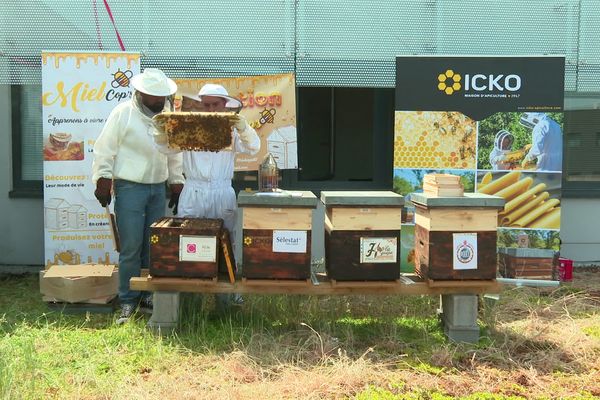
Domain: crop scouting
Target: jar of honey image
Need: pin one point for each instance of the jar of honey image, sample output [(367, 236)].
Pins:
[(59, 141)]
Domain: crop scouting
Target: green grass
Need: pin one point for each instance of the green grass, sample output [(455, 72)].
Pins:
[(43, 352), (383, 394), (48, 354), (593, 331)]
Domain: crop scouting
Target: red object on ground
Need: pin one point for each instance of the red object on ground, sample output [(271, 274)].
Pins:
[(565, 269)]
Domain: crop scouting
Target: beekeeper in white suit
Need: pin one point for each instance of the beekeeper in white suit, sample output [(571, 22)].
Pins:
[(208, 192), (546, 142), (127, 162), (502, 146)]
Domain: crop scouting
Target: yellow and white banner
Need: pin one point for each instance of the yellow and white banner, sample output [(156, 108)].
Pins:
[(269, 106), (79, 90)]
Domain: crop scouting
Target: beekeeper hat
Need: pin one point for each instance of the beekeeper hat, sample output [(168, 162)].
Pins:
[(530, 119), (500, 137), (211, 89), (154, 82)]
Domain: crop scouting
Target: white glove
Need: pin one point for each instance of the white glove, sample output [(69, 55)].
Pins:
[(498, 159), (161, 140), (159, 136), (527, 160), (241, 124)]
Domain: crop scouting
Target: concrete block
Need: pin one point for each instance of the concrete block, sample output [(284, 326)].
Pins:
[(464, 335), (459, 316), (165, 314)]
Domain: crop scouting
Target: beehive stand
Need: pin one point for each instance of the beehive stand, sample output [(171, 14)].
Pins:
[(456, 302)]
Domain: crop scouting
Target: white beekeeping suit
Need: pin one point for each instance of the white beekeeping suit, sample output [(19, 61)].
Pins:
[(208, 192), (546, 143), (502, 146)]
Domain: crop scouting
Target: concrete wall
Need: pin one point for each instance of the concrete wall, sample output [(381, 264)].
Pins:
[(22, 221), (580, 229)]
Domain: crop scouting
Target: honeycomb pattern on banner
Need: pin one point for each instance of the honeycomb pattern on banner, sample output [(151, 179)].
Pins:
[(434, 139)]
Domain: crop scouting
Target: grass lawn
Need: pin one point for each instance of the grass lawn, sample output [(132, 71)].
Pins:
[(535, 344)]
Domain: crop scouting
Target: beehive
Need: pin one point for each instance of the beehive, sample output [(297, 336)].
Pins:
[(276, 235), (185, 247), (455, 237), (362, 235), (527, 263)]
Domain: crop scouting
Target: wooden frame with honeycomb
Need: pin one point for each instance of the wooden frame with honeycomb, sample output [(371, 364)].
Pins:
[(197, 131)]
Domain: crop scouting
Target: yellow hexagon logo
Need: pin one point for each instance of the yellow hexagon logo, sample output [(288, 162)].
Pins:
[(248, 241), (449, 82)]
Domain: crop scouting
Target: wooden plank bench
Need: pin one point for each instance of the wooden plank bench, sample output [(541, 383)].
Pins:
[(459, 298)]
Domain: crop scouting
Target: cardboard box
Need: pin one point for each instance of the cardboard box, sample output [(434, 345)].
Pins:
[(78, 283)]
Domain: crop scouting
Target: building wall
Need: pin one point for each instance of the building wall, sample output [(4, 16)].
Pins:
[(580, 229), (22, 220)]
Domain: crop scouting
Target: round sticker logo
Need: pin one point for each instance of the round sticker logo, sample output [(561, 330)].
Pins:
[(464, 252), (191, 248)]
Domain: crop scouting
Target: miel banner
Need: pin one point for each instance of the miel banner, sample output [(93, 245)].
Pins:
[(79, 90)]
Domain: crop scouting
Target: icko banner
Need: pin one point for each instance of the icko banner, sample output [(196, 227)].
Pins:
[(79, 90), (495, 121)]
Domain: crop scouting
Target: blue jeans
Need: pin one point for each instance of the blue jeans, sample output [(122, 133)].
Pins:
[(137, 206)]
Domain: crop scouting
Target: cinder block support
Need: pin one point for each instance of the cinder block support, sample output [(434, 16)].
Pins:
[(459, 315), (165, 313)]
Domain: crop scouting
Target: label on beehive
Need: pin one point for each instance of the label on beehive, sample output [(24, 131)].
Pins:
[(198, 248), (378, 250), (289, 241), (465, 251)]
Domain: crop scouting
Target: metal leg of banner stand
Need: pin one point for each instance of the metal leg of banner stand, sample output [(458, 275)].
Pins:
[(165, 313), (459, 316)]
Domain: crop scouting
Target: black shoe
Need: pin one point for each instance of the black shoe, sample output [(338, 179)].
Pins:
[(237, 300), (147, 304), (127, 311)]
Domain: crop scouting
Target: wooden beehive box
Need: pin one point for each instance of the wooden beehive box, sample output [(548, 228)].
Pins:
[(455, 237), (276, 235), (526, 263), (185, 247), (362, 235), (442, 185)]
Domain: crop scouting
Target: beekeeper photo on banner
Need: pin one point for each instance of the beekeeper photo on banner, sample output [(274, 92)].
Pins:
[(521, 141)]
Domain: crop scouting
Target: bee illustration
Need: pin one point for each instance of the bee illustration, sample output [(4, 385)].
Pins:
[(121, 78), (267, 116), (467, 136), (466, 152)]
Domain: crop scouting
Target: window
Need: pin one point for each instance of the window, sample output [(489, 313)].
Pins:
[(27, 141), (345, 138), (581, 165)]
